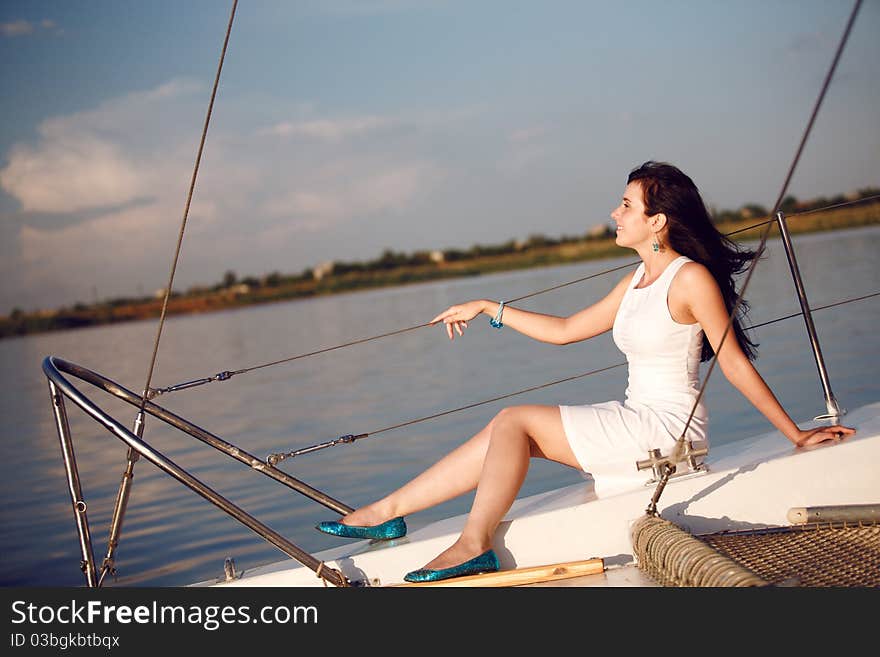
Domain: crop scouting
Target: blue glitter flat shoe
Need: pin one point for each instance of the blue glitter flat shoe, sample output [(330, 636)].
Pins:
[(394, 528), (484, 563)]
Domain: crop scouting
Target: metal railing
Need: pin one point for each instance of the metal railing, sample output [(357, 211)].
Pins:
[(60, 388)]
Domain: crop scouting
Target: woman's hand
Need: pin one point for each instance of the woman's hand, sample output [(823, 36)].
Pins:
[(457, 317), (821, 434)]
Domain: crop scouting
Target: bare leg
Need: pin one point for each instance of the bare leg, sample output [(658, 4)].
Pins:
[(516, 434), (453, 475), (495, 461)]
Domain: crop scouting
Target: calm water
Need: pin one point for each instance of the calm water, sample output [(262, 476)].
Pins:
[(172, 536)]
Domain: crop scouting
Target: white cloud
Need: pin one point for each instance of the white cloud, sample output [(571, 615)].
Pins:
[(355, 189), (112, 255), (69, 173), (528, 148), (527, 134), (19, 28), (168, 90), (305, 203), (99, 158), (327, 129), (16, 28), (367, 7), (390, 189), (127, 236), (118, 176)]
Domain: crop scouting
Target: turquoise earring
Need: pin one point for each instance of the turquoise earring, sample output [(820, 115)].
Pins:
[(655, 245)]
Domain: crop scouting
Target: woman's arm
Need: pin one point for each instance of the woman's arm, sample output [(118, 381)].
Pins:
[(695, 295), (584, 324)]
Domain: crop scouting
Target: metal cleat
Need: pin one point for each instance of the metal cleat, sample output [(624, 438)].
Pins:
[(689, 452)]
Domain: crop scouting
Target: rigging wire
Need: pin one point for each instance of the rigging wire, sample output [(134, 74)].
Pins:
[(824, 208), (274, 459), (776, 207), (596, 371), (680, 443), (227, 374), (189, 196), (222, 376)]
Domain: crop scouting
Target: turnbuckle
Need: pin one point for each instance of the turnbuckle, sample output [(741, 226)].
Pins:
[(220, 376), (274, 459)]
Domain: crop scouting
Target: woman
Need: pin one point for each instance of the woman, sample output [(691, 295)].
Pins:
[(667, 317)]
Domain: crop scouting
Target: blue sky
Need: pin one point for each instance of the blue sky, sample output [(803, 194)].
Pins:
[(342, 128)]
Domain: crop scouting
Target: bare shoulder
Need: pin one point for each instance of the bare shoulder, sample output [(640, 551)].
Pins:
[(694, 277), (692, 291)]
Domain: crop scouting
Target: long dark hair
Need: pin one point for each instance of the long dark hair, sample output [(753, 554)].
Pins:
[(668, 190)]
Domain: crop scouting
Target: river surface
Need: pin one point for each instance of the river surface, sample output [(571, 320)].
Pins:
[(171, 536)]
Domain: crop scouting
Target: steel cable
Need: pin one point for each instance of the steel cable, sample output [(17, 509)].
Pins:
[(223, 376), (680, 443), (189, 195), (273, 459)]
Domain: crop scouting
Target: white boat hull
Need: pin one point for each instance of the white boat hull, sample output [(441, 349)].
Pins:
[(750, 484)]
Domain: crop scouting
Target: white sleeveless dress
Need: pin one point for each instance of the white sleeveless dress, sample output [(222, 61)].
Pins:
[(664, 359)]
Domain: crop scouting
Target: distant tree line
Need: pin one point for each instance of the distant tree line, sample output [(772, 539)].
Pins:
[(80, 314), (390, 259), (791, 205)]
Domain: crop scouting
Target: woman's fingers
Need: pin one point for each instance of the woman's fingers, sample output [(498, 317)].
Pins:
[(821, 434), (441, 316), (454, 318), (836, 431), (454, 326), (448, 314)]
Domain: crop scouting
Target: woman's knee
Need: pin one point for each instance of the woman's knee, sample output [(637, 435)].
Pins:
[(511, 415), (540, 426), (509, 424), (524, 416)]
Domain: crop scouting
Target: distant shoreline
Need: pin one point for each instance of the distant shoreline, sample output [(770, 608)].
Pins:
[(396, 269)]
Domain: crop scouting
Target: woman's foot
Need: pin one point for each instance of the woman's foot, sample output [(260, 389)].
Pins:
[(485, 562), (390, 529), (366, 516), (457, 553), (366, 522)]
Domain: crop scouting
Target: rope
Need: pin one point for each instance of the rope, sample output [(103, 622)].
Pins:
[(578, 280), (274, 459), (189, 196), (494, 399), (652, 507), (591, 372), (826, 208), (830, 305), (325, 350), (225, 375), (673, 557)]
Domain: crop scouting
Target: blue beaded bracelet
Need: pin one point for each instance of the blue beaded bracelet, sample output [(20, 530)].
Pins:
[(496, 322)]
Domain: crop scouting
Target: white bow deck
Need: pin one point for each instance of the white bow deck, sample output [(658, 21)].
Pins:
[(750, 484)]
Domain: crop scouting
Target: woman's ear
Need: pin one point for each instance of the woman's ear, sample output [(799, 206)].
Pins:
[(658, 221)]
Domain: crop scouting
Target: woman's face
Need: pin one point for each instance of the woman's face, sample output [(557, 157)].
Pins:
[(632, 222)]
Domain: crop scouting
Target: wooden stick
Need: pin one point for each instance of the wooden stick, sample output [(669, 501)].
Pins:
[(521, 576)]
